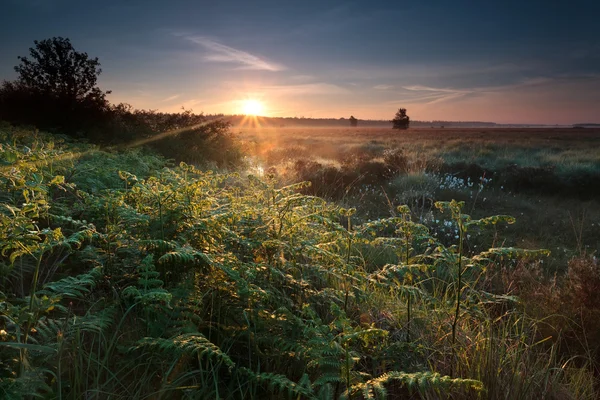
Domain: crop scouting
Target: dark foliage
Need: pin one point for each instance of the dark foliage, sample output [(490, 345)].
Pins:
[(55, 90), (357, 169), (544, 180), (209, 142), (401, 120)]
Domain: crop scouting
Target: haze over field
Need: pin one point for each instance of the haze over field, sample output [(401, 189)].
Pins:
[(510, 62)]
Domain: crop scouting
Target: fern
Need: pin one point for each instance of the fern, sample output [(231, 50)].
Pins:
[(225, 286), (149, 288), (420, 382), (185, 256), (277, 383), (73, 287), (31, 383), (189, 344)]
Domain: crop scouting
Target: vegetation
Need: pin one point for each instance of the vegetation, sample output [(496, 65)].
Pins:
[(170, 282), (60, 83), (364, 270), (401, 120), (353, 121), (545, 177)]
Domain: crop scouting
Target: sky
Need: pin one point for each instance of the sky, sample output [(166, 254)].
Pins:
[(525, 61)]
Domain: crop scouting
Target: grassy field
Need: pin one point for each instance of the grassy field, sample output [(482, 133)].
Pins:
[(564, 148), (548, 178), (123, 276)]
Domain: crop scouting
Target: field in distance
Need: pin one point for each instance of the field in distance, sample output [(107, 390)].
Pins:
[(548, 178)]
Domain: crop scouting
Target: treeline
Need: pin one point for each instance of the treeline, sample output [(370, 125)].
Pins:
[(283, 122)]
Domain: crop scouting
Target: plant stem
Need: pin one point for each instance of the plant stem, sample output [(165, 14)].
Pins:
[(348, 266), (23, 352), (408, 303), (458, 290)]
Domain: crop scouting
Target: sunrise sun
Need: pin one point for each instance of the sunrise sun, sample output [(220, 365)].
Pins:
[(252, 107)]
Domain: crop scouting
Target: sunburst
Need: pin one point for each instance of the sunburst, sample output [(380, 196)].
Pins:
[(252, 107)]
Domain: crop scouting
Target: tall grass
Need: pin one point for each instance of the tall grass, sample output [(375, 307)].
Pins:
[(179, 283)]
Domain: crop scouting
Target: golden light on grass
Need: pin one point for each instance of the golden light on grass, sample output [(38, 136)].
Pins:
[(252, 107)]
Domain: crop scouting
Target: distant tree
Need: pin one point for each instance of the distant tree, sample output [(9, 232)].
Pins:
[(55, 88), (353, 121), (401, 120)]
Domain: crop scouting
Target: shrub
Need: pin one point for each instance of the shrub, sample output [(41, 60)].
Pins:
[(415, 186), (210, 143), (396, 160)]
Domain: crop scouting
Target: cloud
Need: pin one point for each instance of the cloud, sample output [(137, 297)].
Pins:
[(435, 95), (171, 98), (420, 88), (218, 52), (432, 95), (383, 87)]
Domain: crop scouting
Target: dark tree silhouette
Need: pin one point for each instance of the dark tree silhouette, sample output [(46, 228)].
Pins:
[(55, 89), (56, 68), (401, 120), (353, 121)]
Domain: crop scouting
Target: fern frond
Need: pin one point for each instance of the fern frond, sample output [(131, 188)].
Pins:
[(417, 382), (185, 256), (190, 344), (30, 384), (73, 287), (278, 383), (328, 378)]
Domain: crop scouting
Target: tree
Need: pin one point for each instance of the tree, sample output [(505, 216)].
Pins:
[(56, 88), (401, 120), (353, 121), (56, 68)]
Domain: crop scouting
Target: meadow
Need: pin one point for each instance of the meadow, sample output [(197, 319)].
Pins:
[(547, 177), (331, 264)]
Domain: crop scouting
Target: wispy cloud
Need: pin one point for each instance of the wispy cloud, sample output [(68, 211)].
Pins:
[(171, 98), (218, 52), (434, 95), (383, 87), (421, 88)]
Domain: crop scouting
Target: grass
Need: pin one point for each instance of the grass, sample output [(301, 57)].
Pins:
[(547, 177), (172, 282)]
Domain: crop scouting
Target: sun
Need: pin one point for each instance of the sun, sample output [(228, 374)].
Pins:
[(252, 107)]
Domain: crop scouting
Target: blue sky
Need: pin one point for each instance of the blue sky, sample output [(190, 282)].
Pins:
[(524, 61)]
